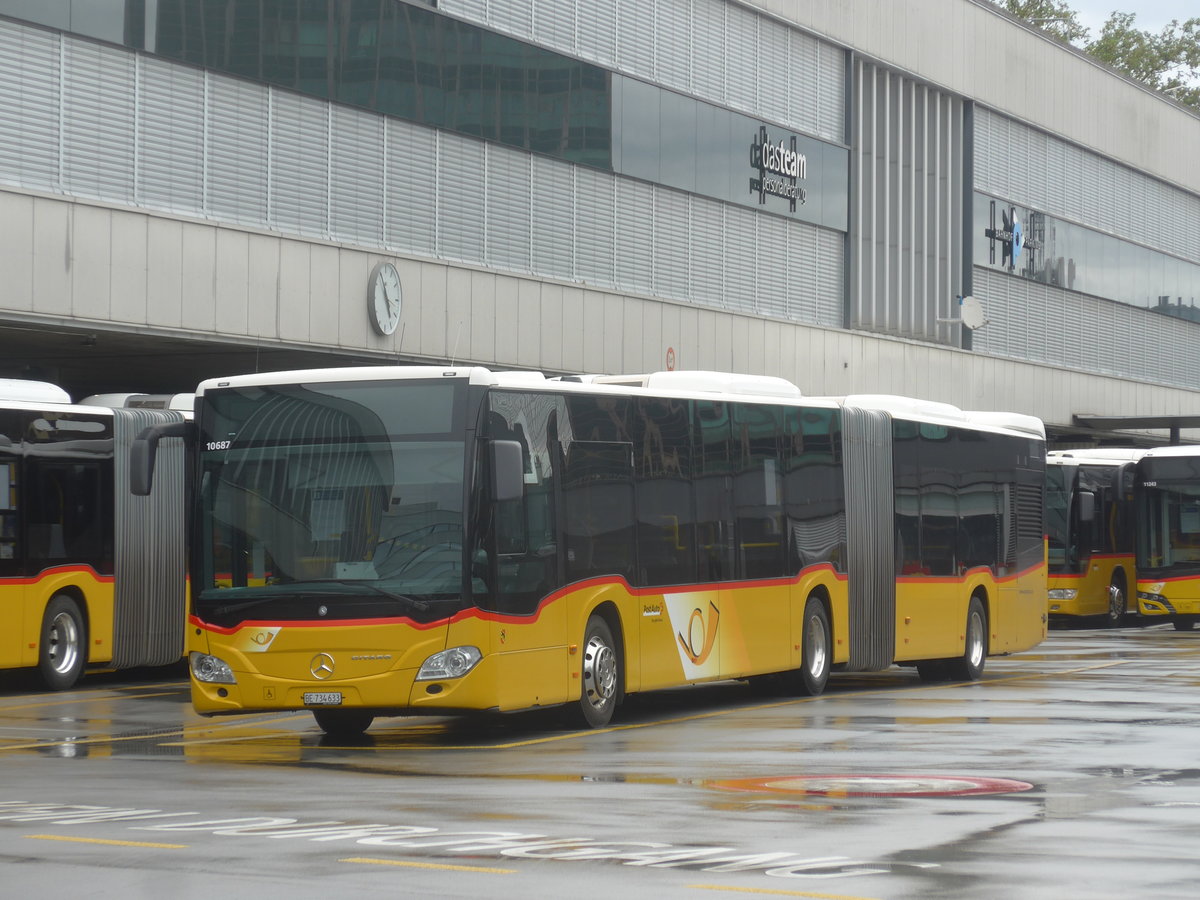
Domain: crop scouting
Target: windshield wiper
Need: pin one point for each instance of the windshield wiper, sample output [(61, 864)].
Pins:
[(413, 602)]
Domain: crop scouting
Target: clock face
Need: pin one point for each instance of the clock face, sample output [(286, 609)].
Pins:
[(384, 297)]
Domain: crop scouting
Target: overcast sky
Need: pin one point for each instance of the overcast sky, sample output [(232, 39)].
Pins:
[(1152, 15)]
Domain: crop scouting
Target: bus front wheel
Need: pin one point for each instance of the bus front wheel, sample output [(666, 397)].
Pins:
[(601, 676), (969, 666), (343, 722), (63, 651)]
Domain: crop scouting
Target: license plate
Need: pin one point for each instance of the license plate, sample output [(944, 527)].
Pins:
[(326, 698)]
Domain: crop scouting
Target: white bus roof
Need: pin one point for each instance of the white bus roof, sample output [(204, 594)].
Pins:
[(1172, 450), (1096, 455), (32, 391), (695, 383)]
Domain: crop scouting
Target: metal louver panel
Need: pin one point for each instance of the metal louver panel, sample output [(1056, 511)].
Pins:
[(554, 24), (595, 227), (635, 37), (299, 164), (30, 98), (411, 193), (870, 511), (708, 269), (461, 229), (99, 133), (509, 186), (239, 139), (774, 54), (170, 148), (634, 235), (596, 24), (672, 49), (709, 53), (552, 248), (149, 601), (741, 68), (670, 243), (774, 278), (741, 260), (356, 169)]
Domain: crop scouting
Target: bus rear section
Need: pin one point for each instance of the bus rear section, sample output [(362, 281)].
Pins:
[(89, 574), (1167, 489), (1090, 534)]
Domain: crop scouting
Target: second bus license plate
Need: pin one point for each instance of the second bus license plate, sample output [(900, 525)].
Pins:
[(328, 698)]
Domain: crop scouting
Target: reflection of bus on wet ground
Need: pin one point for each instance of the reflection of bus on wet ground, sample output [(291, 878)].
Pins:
[(1090, 533), (1167, 482), (89, 575), (423, 540)]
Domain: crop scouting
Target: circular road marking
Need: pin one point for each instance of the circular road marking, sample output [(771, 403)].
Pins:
[(875, 785)]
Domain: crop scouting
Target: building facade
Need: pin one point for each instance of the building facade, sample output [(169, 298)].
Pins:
[(797, 189)]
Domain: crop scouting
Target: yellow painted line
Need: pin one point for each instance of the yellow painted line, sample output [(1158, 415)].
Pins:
[(775, 891), (83, 840), (166, 733), (366, 860), (91, 699)]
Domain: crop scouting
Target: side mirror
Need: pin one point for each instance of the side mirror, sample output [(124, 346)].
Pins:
[(508, 470), (1087, 506), (144, 451)]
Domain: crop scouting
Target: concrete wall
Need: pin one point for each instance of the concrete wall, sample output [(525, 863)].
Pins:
[(170, 276)]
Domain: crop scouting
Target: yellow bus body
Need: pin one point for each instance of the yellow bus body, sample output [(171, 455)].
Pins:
[(1091, 587), (25, 600), (1175, 596), (668, 638)]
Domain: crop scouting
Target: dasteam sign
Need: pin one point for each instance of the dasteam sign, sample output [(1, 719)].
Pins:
[(781, 168)]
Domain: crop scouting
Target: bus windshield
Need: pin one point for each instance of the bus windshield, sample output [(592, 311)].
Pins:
[(344, 497), (1170, 528), (1058, 516)]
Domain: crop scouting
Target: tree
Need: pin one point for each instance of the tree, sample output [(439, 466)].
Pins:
[(1054, 17), (1168, 61)]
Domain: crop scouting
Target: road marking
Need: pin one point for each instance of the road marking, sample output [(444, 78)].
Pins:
[(111, 843), (775, 891), (366, 860), (92, 699), (165, 733)]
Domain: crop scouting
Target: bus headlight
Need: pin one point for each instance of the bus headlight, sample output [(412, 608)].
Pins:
[(1062, 594), (453, 663), (210, 669)]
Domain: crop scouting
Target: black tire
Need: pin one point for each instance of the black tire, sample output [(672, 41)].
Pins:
[(815, 650), (1116, 603), (343, 722), (933, 671), (969, 666), (1184, 623), (63, 649), (601, 674)]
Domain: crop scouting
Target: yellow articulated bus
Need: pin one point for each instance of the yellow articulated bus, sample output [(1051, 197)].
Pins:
[(89, 574), (418, 540), (1167, 494), (1090, 534)]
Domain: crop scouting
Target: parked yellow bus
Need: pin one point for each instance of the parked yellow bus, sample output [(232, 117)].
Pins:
[(1167, 489), (431, 540), (1090, 534), (89, 574)]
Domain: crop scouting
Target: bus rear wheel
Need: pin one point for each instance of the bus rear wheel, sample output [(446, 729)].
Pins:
[(815, 657), (63, 652), (343, 722), (601, 676), (1116, 604), (969, 666)]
